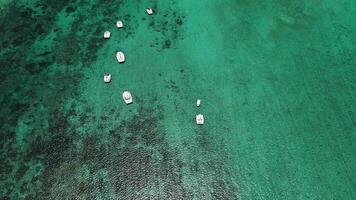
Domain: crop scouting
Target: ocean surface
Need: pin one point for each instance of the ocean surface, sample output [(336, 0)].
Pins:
[(277, 80)]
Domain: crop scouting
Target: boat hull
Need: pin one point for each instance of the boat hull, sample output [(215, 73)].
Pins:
[(149, 11), (107, 79), (199, 119), (107, 35), (119, 24), (126, 96), (120, 56)]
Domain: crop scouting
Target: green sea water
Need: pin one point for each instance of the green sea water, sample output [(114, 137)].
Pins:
[(277, 80)]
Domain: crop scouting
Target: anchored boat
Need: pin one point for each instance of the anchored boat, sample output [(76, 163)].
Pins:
[(127, 97), (149, 11), (199, 119), (107, 34), (120, 57), (107, 78), (119, 24)]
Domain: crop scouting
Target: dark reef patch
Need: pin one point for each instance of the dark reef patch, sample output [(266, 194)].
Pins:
[(40, 99), (37, 67), (222, 191), (136, 167), (68, 48), (168, 24), (179, 21), (132, 170), (167, 44), (173, 86), (222, 187), (21, 172), (70, 9), (90, 148)]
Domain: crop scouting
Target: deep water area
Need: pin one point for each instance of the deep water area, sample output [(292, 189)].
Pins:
[(277, 80)]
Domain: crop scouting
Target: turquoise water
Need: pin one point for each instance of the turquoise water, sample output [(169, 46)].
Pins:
[(277, 81)]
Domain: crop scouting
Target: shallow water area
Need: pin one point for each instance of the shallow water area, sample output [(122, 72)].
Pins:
[(276, 79)]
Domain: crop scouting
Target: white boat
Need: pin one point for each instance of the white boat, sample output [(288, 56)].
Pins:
[(120, 57), (127, 97), (107, 34), (149, 11), (199, 119), (107, 78), (198, 102), (119, 24)]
